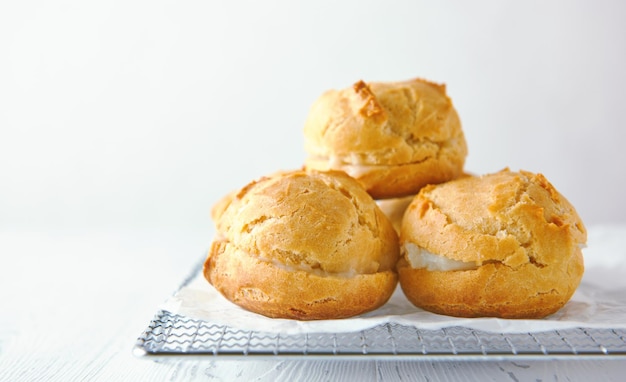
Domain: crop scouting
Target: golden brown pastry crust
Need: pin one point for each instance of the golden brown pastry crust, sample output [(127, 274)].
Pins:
[(393, 137), (280, 292), (305, 245), (523, 236), (394, 208)]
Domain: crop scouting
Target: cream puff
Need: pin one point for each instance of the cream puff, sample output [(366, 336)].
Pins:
[(393, 137), (304, 245), (505, 245)]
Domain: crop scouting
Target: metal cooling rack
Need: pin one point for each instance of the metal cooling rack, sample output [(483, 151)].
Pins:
[(170, 335)]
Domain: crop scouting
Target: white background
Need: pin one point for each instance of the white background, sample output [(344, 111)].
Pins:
[(123, 122), (138, 116)]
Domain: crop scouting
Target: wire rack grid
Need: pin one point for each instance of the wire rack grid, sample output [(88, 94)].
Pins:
[(170, 335)]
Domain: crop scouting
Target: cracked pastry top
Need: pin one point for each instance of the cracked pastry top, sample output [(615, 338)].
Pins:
[(305, 245), (393, 137), (506, 244)]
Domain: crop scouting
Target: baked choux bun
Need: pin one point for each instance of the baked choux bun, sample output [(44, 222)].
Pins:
[(504, 245), (305, 245), (393, 137)]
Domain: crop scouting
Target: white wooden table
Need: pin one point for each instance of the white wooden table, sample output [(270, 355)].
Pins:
[(73, 305)]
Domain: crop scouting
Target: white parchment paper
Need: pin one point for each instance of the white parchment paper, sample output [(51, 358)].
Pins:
[(599, 302)]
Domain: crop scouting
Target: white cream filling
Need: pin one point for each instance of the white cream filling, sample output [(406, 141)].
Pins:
[(420, 258), (350, 159), (356, 171), (353, 165)]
